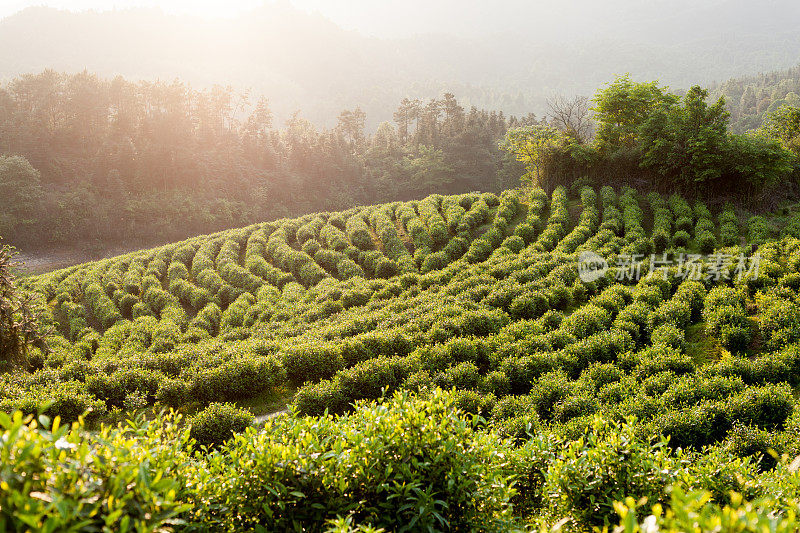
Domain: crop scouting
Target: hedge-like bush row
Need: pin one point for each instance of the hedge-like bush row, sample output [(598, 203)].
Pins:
[(310, 230), (684, 215), (256, 263), (299, 263), (728, 228), (333, 237), (682, 309), (557, 223), (103, 309), (229, 269), (393, 246), (204, 258), (587, 223), (662, 222), (704, 229), (779, 318), (358, 232), (477, 215), (211, 281), (635, 238), (453, 212), (792, 227), (606, 241), (437, 227)]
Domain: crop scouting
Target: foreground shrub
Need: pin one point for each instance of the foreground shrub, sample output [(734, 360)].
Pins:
[(66, 479), (217, 423), (604, 465), (436, 472), (698, 511)]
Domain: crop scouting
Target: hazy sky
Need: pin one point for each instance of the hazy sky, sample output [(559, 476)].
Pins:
[(400, 18)]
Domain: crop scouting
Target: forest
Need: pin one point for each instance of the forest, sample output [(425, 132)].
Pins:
[(149, 162), (749, 99)]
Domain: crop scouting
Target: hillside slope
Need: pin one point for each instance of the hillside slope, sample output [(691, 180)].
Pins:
[(269, 307), (487, 296)]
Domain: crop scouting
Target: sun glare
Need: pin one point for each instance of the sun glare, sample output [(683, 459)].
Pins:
[(202, 8)]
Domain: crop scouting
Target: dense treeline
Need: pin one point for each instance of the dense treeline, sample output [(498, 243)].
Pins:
[(643, 135), (86, 158), (750, 99)]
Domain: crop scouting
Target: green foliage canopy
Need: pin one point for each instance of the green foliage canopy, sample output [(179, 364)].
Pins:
[(20, 193), (623, 107)]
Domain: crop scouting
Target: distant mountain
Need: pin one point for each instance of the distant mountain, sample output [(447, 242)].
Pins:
[(305, 62)]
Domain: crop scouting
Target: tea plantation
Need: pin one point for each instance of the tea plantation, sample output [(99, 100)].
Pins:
[(446, 365)]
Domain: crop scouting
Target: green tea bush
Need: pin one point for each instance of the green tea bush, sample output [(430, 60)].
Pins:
[(696, 426), (453, 213), (688, 390), (435, 261), (311, 362), (766, 407), (208, 318), (366, 380), (557, 224), (310, 230), (662, 222), (661, 358), (728, 228), (603, 466), (681, 238), (217, 423), (477, 215), (237, 379), (758, 231), (586, 321), (114, 388), (792, 228), (436, 471), (668, 335), (62, 478), (101, 305), (523, 372), (706, 241), (684, 214), (358, 232), (531, 305)]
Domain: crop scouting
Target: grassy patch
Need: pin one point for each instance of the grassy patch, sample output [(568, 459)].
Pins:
[(700, 347)]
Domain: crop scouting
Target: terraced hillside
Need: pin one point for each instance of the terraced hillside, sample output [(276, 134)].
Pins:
[(400, 291), (477, 293)]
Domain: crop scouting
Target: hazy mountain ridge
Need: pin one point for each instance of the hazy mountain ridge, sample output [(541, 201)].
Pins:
[(306, 62)]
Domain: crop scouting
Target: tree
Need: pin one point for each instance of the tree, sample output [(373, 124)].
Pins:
[(571, 117), (752, 162), (532, 145), (690, 146), (453, 122), (408, 111), (784, 125), (20, 193), (428, 123), (427, 170), (351, 124), (686, 143), (19, 327), (622, 108)]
